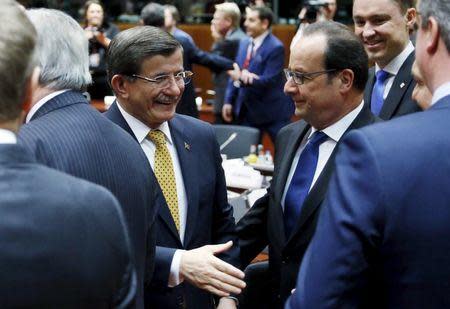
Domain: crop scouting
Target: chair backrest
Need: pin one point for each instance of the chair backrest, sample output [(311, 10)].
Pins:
[(240, 145)]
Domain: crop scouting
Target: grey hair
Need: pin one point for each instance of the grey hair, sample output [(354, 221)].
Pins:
[(62, 50), (17, 45), (440, 10)]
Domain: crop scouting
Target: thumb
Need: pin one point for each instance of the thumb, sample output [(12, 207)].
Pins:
[(236, 67), (216, 249)]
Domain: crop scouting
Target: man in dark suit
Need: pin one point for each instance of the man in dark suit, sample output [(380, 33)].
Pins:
[(381, 240), (227, 34), (154, 14), (326, 77), (65, 133), (145, 67), (383, 26), (55, 248), (254, 95)]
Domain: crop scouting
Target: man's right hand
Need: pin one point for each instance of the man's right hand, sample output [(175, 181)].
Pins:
[(201, 268), (227, 112)]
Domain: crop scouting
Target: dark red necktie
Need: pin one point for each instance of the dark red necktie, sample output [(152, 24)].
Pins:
[(249, 56)]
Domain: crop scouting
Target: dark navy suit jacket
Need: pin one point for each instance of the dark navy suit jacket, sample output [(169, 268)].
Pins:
[(399, 100), (264, 100), (382, 237), (194, 55), (209, 216), (63, 240), (66, 133), (264, 224)]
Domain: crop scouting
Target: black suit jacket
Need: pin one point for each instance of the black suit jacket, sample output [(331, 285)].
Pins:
[(264, 225), (209, 216), (63, 240), (399, 99), (68, 134)]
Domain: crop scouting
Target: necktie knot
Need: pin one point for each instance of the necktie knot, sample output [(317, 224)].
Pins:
[(317, 138), (157, 137), (382, 76)]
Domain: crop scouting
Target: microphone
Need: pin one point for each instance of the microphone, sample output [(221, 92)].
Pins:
[(229, 140)]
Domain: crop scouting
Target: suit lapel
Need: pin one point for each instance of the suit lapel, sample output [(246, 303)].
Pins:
[(292, 143), (398, 89), (186, 152), (369, 87), (320, 188), (116, 116)]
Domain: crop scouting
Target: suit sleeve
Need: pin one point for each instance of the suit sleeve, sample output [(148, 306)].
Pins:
[(163, 260), (223, 221), (252, 231), (273, 67), (335, 270), (214, 62)]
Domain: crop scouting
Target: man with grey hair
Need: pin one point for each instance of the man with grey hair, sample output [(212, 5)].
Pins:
[(382, 238), (66, 133), (226, 32), (55, 247)]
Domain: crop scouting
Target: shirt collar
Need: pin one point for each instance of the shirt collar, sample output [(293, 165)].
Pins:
[(441, 92), (7, 137), (394, 66), (140, 129), (337, 129), (41, 102), (260, 39)]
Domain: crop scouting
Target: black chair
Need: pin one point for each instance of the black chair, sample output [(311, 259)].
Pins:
[(235, 141)]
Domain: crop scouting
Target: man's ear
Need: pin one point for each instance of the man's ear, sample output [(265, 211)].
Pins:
[(31, 86), (432, 35), (120, 86), (410, 17), (346, 78)]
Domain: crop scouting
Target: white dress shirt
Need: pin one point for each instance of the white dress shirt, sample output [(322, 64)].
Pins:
[(394, 66), (140, 131), (7, 137), (441, 92), (41, 102), (334, 133)]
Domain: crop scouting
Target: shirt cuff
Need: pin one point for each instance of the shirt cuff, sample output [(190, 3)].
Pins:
[(174, 276)]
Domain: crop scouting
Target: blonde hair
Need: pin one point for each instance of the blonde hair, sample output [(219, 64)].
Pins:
[(231, 10)]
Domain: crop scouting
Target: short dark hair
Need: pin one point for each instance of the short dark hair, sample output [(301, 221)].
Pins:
[(344, 50), (153, 15), (17, 61), (264, 12), (131, 47)]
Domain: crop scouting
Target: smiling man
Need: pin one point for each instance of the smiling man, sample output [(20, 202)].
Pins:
[(383, 26), (326, 77), (145, 69)]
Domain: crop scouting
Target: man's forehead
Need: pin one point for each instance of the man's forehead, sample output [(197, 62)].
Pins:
[(307, 48)]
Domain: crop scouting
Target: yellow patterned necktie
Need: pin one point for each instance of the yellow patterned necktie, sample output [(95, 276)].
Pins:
[(164, 173)]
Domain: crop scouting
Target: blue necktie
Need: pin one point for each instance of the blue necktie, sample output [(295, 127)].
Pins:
[(378, 91), (302, 180)]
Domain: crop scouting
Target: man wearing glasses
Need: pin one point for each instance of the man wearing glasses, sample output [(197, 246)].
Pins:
[(195, 221), (326, 78)]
